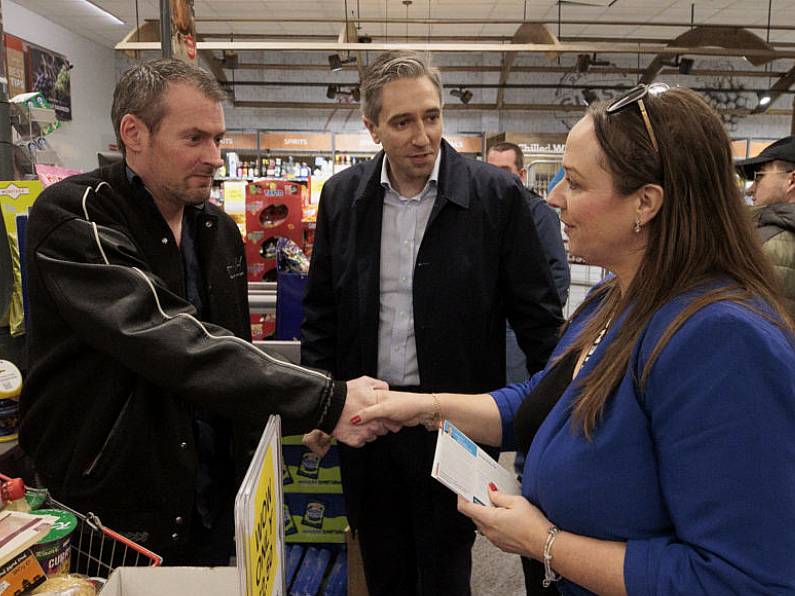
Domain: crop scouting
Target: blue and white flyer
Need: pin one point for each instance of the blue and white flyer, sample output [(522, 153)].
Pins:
[(466, 469)]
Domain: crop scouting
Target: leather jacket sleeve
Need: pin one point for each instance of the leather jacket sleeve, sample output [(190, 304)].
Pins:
[(101, 287)]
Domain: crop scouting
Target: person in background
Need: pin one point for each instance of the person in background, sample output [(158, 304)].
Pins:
[(420, 255), (509, 157), (772, 173), (142, 375), (667, 465)]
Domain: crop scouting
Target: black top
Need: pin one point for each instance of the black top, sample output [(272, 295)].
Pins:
[(537, 405)]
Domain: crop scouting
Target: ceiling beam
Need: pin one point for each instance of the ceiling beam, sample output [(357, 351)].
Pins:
[(453, 38), (501, 86), (284, 105), (730, 39), (531, 69), (149, 31), (448, 21), (526, 33), (780, 87), (614, 48)]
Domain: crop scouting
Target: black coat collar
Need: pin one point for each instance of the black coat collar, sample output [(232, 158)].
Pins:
[(453, 184)]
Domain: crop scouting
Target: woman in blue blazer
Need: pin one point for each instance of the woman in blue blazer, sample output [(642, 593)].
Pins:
[(667, 465)]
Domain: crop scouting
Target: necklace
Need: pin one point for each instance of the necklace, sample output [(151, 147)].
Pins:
[(596, 342)]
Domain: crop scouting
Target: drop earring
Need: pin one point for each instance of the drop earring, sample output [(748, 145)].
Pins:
[(637, 226)]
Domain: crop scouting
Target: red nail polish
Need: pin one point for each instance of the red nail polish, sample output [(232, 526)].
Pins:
[(356, 420), (492, 486)]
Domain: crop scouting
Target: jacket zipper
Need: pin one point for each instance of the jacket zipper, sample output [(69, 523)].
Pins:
[(111, 434)]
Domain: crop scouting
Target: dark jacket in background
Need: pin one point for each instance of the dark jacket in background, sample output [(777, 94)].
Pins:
[(776, 226), (119, 364), (548, 228)]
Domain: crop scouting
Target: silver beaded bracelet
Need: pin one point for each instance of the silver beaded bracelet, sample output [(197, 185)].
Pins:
[(549, 574)]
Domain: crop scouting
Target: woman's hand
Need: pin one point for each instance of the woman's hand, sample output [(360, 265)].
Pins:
[(396, 410), (513, 524)]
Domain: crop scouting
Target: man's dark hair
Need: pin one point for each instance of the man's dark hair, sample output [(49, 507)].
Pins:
[(141, 89), (517, 152)]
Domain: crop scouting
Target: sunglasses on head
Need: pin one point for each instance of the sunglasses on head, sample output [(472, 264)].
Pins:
[(635, 96)]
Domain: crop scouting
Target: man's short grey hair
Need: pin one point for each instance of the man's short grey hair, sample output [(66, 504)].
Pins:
[(142, 87), (389, 66)]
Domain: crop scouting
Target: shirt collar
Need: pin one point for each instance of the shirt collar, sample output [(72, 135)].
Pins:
[(432, 179)]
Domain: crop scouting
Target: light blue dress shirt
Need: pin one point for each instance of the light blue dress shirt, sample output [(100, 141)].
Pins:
[(403, 225)]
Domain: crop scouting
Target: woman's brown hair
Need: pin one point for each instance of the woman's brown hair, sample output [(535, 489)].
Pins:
[(701, 236)]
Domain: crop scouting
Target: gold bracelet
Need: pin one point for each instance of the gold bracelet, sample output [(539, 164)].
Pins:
[(433, 423)]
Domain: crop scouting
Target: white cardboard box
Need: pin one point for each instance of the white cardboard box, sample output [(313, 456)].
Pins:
[(174, 581)]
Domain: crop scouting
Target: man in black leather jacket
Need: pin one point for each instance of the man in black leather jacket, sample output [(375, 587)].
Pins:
[(142, 371)]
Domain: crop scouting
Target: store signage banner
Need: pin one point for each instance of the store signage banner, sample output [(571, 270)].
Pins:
[(15, 64), (50, 74), (3, 78), (183, 30), (295, 141), (31, 68)]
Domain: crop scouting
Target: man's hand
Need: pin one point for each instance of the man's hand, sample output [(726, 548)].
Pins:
[(318, 442), (361, 394)]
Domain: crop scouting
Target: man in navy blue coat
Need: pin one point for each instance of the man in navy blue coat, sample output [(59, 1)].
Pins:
[(420, 255)]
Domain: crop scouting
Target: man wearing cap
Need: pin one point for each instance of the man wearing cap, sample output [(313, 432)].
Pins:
[(772, 174)]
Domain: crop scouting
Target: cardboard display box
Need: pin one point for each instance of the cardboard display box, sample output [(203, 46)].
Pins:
[(304, 472), (174, 581), (274, 208), (314, 518)]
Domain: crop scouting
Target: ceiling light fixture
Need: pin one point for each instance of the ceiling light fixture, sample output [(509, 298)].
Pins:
[(683, 65), (340, 93), (230, 59), (465, 95), (104, 12), (586, 61), (686, 65), (764, 99), (589, 96), (335, 63)]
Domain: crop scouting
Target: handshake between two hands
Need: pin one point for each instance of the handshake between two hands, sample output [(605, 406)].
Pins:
[(371, 411)]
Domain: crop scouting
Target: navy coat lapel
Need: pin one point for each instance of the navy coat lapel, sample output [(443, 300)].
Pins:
[(368, 209)]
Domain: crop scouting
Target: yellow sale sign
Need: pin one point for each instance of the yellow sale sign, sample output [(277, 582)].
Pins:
[(259, 519), (263, 542)]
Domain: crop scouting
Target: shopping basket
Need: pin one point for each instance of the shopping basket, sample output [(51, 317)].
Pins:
[(97, 550)]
